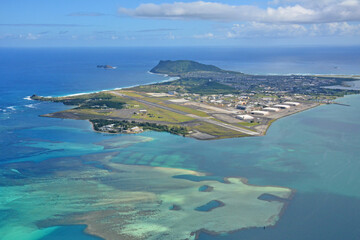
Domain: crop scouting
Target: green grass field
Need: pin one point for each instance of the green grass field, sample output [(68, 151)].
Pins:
[(217, 131), (158, 114), (129, 93), (187, 110), (248, 124)]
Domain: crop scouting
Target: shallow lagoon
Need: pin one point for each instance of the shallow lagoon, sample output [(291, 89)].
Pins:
[(311, 152), (127, 201), (75, 232)]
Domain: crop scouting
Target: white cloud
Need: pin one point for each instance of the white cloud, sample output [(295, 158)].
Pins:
[(256, 29), (205, 36), (343, 29), (308, 3), (193, 10), (31, 36), (291, 11), (27, 36), (171, 36)]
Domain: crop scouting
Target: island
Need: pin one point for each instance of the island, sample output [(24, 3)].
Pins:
[(203, 102), (105, 66)]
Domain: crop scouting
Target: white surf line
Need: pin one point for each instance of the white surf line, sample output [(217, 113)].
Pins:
[(28, 98), (114, 89)]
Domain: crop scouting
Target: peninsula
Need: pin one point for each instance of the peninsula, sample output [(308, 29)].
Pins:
[(205, 102)]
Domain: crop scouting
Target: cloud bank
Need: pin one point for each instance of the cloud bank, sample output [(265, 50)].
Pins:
[(290, 11), (255, 29)]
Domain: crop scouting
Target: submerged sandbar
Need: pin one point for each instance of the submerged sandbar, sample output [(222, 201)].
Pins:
[(120, 201)]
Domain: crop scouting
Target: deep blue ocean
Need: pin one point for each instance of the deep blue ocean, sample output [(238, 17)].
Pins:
[(315, 152)]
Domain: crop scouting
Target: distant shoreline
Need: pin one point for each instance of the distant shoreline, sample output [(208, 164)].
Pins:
[(176, 78), (117, 88)]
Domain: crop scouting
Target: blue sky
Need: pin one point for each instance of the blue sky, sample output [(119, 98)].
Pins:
[(46, 23)]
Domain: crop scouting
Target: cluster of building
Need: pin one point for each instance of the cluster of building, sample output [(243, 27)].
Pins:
[(220, 100), (248, 103), (267, 110), (303, 84), (112, 128), (135, 129), (141, 112)]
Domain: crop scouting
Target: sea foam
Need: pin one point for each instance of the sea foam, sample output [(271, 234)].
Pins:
[(30, 105), (28, 98)]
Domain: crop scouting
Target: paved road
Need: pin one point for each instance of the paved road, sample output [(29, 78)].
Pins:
[(204, 119)]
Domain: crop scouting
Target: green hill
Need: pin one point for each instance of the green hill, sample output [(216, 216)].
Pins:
[(187, 85), (182, 66)]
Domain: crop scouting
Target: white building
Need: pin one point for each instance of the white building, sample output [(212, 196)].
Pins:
[(262, 113), (136, 129), (245, 117), (270, 109), (292, 103), (282, 106), (172, 92)]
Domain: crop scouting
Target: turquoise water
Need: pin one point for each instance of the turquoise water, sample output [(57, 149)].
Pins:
[(315, 152), (209, 206), (75, 232), (204, 188)]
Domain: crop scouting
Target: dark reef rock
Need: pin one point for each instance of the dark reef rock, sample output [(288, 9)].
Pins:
[(105, 66)]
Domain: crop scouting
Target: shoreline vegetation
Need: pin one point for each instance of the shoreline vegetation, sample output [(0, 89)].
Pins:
[(135, 127), (201, 101)]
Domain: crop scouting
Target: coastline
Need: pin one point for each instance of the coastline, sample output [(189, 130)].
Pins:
[(315, 106), (173, 78), (274, 120), (259, 130), (114, 89)]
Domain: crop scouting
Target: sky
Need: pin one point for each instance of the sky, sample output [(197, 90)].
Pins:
[(94, 23)]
